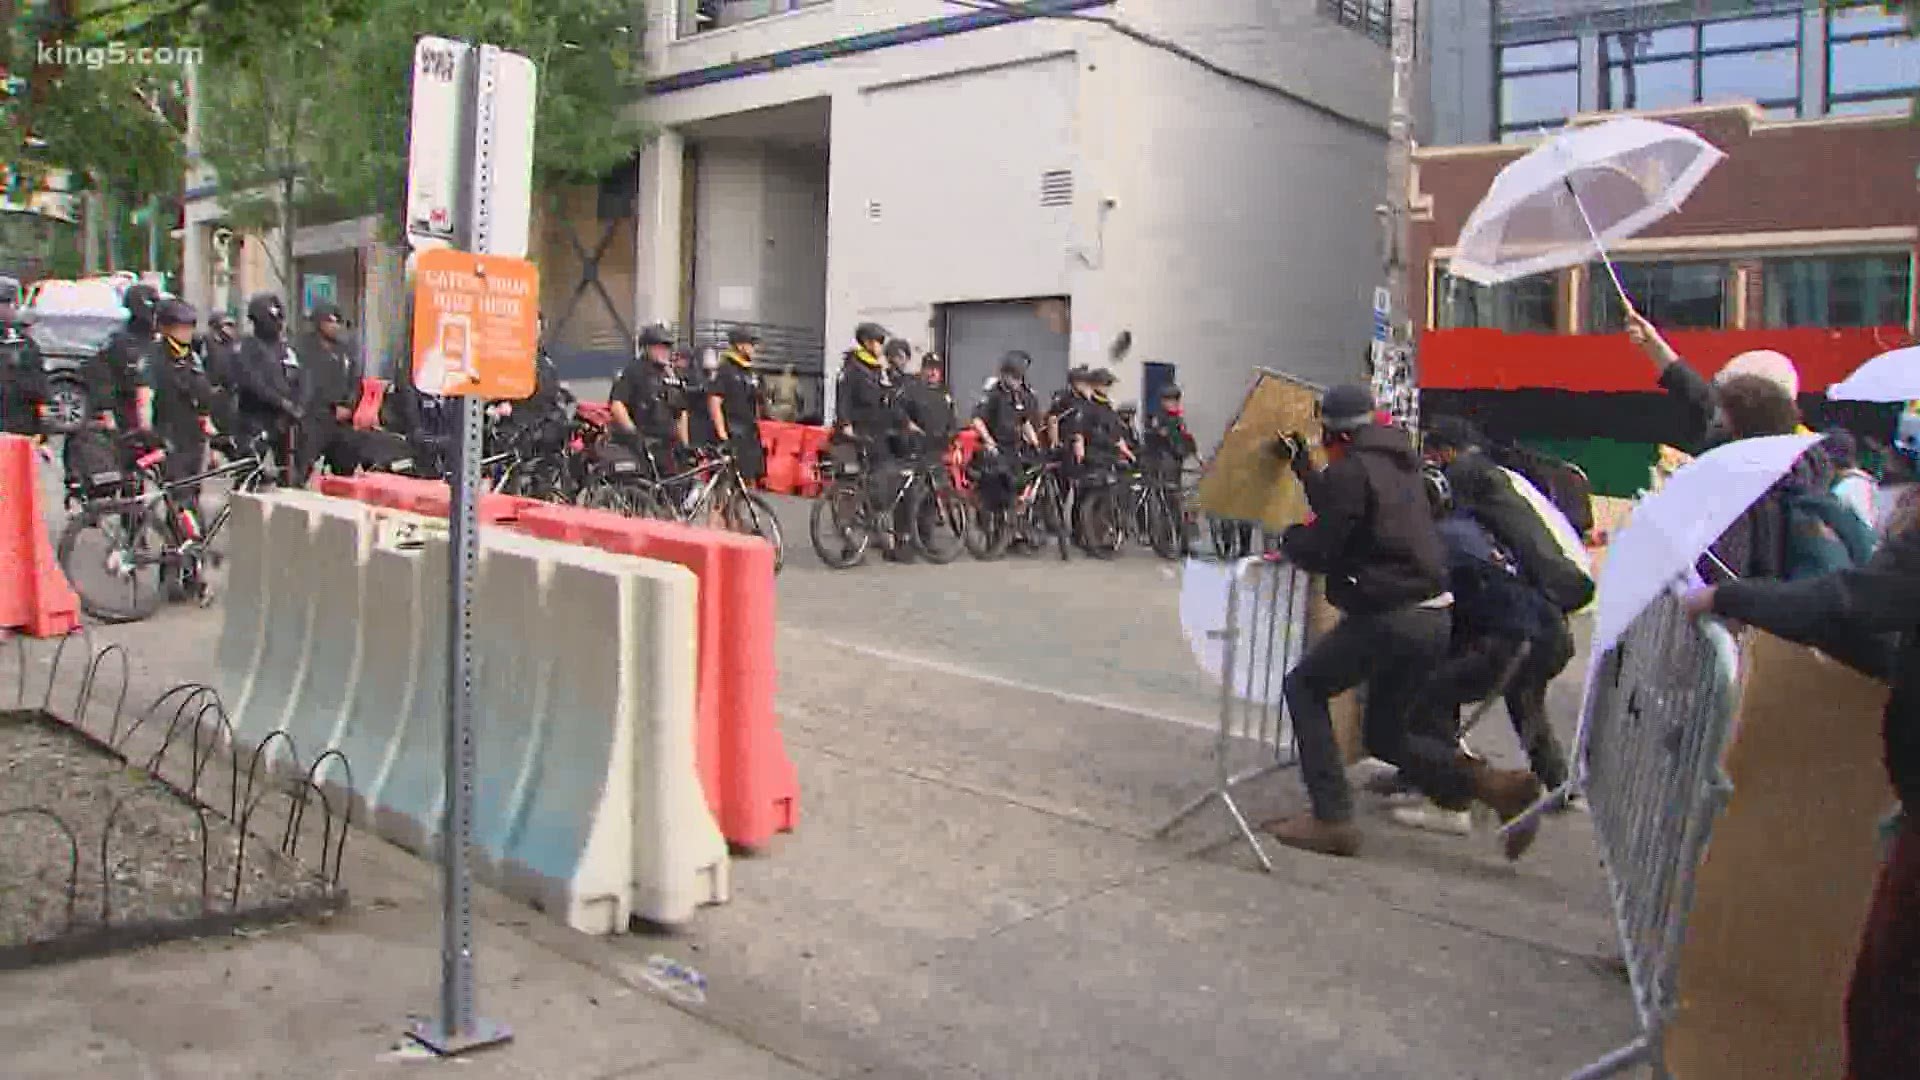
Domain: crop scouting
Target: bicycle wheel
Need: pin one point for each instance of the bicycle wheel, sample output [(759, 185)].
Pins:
[(1162, 528), (1099, 522), (750, 515), (117, 562), (615, 498), (939, 517), (988, 532), (837, 527)]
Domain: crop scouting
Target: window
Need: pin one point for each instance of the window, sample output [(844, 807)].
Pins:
[(1842, 290), (1539, 86), (1530, 305), (1683, 295), (1754, 59), (1873, 64), (1373, 18)]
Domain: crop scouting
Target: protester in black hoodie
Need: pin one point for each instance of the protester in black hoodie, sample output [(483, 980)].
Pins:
[(1374, 539), (1866, 604)]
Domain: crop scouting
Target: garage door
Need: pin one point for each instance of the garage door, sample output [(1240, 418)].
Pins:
[(978, 335)]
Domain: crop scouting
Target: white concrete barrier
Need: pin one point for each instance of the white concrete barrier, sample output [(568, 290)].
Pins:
[(587, 800)]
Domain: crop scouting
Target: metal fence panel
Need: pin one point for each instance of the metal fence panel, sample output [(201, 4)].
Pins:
[(1650, 750), (1263, 634)]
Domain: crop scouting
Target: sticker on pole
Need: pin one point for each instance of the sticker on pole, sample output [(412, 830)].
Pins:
[(475, 324)]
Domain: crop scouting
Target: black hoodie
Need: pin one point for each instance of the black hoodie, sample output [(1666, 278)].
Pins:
[(1372, 534)]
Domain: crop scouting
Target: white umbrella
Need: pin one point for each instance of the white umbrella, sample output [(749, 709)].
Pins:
[(1561, 204), (1673, 527), (1891, 376)]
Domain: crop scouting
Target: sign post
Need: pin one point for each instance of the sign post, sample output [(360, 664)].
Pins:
[(470, 157)]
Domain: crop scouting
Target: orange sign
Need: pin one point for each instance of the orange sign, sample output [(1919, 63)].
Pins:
[(476, 324)]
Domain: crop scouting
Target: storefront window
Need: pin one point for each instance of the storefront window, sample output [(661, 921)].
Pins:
[(1842, 290), (1530, 305), (1675, 295)]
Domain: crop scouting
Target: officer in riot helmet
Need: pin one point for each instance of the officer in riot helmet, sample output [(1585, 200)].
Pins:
[(649, 402), (114, 374), (269, 382), (23, 375)]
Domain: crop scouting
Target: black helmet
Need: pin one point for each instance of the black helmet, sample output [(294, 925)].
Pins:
[(1100, 377), (1170, 391), (1080, 374), (176, 313), (1346, 408), (266, 314), (1439, 491), (868, 331), (1015, 362), (655, 334), (140, 301), (897, 349), (222, 318), (740, 335)]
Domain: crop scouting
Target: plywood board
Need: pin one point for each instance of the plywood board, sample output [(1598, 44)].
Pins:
[(1784, 889), (1244, 481)]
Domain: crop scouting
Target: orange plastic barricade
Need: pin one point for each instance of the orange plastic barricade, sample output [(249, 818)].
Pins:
[(967, 445), (783, 443), (416, 496), (373, 394), (751, 784), (35, 597), (813, 443)]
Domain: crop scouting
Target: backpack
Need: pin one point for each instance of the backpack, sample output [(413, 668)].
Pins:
[(1554, 558), (1822, 535), (1561, 481)]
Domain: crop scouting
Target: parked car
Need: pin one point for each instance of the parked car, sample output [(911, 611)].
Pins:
[(70, 321)]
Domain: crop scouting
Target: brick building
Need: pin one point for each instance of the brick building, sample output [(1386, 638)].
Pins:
[(1803, 240)]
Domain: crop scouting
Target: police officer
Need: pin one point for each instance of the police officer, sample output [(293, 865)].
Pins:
[(868, 417), (1166, 444), (733, 404), (929, 408), (183, 403), (649, 402), (1098, 438), (1374, 539), (269, 383), (333, 390), (113, 375), (1065, 403), (222, 350), (23, 373), (1005, 422)]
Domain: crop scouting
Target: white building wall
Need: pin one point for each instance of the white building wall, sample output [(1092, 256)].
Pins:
[(1223, 225)]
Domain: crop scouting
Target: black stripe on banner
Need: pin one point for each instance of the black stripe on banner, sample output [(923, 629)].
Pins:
[(1635, 418)]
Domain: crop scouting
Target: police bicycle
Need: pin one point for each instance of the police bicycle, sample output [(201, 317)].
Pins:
[(846, 518), (137, 541), (1036, 513), (1151, 514), (713, 492)]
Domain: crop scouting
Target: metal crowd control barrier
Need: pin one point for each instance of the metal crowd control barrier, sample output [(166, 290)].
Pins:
[(1265, 632), (1648, 758)]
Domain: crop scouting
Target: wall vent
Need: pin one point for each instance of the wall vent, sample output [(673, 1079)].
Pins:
[(873, 210), (1056, 188)]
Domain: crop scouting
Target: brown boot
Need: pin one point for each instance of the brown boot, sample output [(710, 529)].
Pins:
[(1508, 793), (1309, 833)]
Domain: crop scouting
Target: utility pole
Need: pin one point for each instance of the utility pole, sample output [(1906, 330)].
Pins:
[(1395, 379)]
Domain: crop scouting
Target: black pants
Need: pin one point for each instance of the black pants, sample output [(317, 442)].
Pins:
[(1473, 670), (1393, 653)]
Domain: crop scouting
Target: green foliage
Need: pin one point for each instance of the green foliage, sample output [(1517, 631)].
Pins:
[(328, 96)]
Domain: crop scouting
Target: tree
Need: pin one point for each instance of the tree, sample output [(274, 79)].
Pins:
[(328, 103)]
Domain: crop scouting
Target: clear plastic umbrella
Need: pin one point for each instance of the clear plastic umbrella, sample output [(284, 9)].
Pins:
[(1891, 376), (1563, 203)]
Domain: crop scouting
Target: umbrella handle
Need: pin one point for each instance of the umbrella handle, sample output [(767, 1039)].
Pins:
[(1599, 244)]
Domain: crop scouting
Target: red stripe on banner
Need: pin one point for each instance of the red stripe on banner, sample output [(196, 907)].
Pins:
[(1609, 363)]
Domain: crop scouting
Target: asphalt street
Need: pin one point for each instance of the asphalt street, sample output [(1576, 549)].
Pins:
[(975, 890)]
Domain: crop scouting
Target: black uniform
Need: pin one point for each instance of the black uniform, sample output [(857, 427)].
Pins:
[(1373, 536), (930, 408), (183, 397), (270, 391), (866, 397), (1166, 445), (1096, 421), (333, 377), (738, 390), (23, 381), (1006, 411), (655, 398), (115, 374), (1060, 413), (696, 387), (539, 420)]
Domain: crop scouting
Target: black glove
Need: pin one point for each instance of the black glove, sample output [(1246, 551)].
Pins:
[(1293, 449)]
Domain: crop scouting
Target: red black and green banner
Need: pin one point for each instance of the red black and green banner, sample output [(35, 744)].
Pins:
[(1594, 398)]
